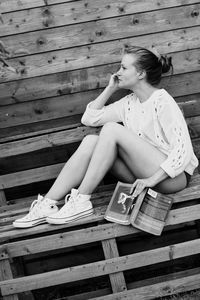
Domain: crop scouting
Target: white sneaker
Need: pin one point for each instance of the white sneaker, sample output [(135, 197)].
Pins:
[(39, 210), (76, 206)]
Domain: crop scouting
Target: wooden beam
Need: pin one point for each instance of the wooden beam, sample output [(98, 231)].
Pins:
[(38, 174), (158, 290), (10, 134), (189, 103), (2, 198), (109, 266), (142, 283), (6, 273), (46, 141), (69, 136), (117, 279), (29, 176), (74, 238)]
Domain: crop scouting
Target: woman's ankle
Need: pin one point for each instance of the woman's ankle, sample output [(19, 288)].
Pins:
[(84, 192), (52, 197)]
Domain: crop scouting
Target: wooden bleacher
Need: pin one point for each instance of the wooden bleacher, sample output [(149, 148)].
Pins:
[(55, 65)]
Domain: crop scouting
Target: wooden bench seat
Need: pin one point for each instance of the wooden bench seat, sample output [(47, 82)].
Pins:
[(9, 213), (35, 129), (37, 240)]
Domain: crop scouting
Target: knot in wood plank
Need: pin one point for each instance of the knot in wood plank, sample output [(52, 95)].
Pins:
[(41, 41), (135, 21), (195, 13), (167, 289), (3, 253)]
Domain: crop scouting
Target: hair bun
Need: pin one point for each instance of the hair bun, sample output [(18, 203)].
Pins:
[(166, 63)]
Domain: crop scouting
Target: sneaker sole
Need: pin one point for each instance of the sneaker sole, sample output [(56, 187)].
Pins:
[(29, 224), (60, 221)]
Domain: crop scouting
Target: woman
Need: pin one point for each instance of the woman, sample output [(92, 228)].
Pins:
[(151, 149)]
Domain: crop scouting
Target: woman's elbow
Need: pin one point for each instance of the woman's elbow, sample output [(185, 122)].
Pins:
[(85, 121)]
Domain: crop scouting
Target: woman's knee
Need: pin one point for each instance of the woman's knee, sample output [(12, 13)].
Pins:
[(89, 142), (90, 139), (109, 129)]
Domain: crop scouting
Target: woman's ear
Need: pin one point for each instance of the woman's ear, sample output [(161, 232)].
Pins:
[(142, 74)]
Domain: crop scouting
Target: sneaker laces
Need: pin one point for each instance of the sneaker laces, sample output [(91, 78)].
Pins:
[(37, 206), (70, 202), (35, 202)]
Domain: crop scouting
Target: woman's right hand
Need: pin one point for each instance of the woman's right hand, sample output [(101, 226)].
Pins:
[(114, 82)]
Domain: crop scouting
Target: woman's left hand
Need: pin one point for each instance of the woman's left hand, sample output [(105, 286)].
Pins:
[(139, 185)]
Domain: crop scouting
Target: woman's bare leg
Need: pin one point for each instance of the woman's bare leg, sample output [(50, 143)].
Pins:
[(142, 158), (74, 170), (121, 171), (169, 185)]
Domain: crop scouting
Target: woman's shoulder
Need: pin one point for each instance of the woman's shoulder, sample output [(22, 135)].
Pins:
[(167, 104), (164, 98)]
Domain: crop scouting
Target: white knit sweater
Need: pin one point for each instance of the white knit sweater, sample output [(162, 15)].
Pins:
[(158, 120)]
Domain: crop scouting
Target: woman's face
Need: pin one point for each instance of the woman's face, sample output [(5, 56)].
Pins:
[(128, 75)]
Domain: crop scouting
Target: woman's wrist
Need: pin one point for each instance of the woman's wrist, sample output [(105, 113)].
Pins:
[(102, 99), (159, 176), (111, 88)]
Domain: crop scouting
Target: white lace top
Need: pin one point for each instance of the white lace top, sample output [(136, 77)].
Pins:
[(158, 120)]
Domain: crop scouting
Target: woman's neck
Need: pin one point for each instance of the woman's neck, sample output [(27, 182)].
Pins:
[(144, 92)]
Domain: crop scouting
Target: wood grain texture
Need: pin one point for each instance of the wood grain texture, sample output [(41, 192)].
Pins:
[(68, 135), (6, 273), (100, 268), (8, 213), (13, 5), (94, 233), (121, 28), (46, 141), (117, 279), (66, 57), (189, 104), (162, 289), (105, 30), (73, 81), (41, 110), (39, 128), (35, 18), (176, 216), (2, 198)]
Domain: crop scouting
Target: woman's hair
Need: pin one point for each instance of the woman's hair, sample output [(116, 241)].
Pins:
[(153, 64)]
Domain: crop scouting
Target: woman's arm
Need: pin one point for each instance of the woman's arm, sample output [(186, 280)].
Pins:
[(176, 132), (97, 113), (159, 176), (140, 184), (101, 100)]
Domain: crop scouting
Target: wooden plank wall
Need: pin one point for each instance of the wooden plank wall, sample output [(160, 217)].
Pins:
[(57, 55), (61, 53)]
